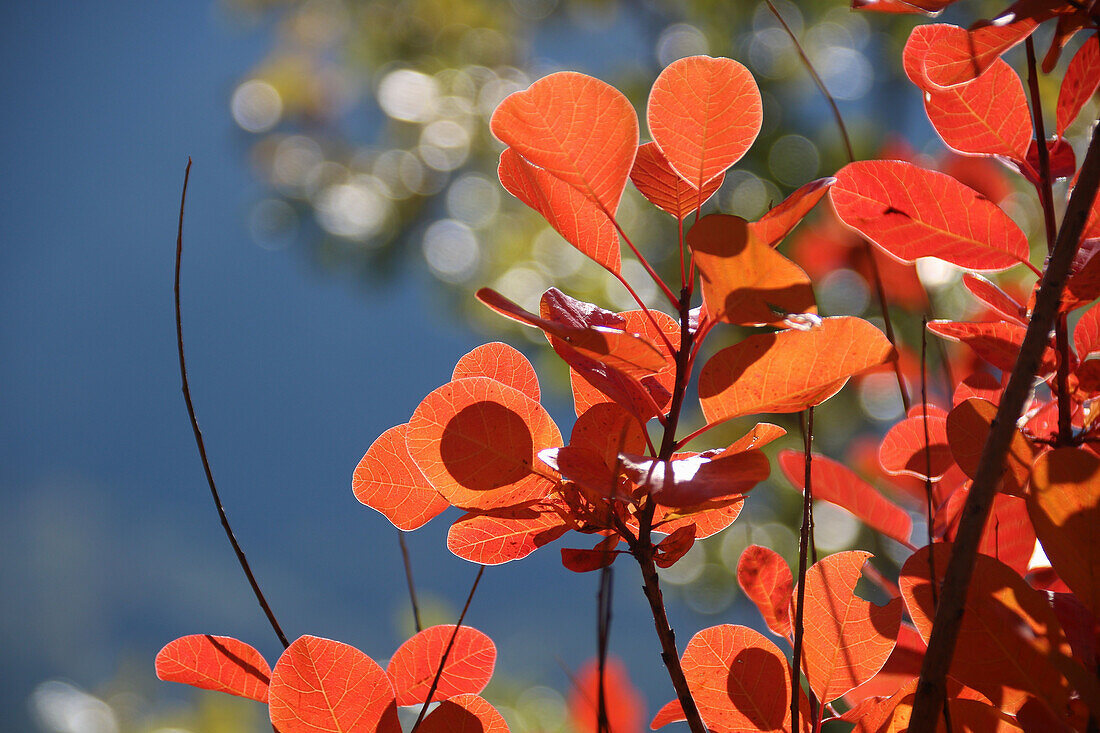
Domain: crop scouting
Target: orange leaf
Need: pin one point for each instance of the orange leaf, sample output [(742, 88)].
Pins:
[(847, 639), (578, 219), (219, 663), (578, 129), (503, 363), (464, 714), (765, 578), (415, 663), (388, 480), (503, 535), (696, 479), (1008, 631), (761, 434), (704, 113), (995, 298), (1008, 535), (745, 281), (739, 679), (903, 449), (902, 665), (477, 442), (956, 56), (608, 430), (585, 561), (320, 685), (836, 483), (967, 430), (663, 187), (708, 519), (789, 371), (1079, 84), (996, 342), (675, 546), (780, 220), (1064, 505), (670, 712), (982, 385), (625, 706), (1086, 334), (584, 467)]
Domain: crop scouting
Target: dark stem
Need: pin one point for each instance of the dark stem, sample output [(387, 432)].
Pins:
[(603, 635), (447, 651), (409, 579), (804, 541), (198, 433), (884, 308), (930, 692), (1046, 198)]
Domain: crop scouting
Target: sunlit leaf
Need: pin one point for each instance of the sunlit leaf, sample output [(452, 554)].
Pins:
[(608, 430), (464, 714), (574, 216), (502, 535), (585, 561), (1008, 535), (1064, 505), (956, 55), (388, 480), (663, 187), (997, 342), (967, 429), (219, 663), (902, 665), (773, 226), (911, 212), (704, 113), (1079, 84), (503, 363), (577, 128), (697, 479), (477, 442), (670, 712), (995, 298), (744, 280), (708, 519), (847, 639), (674, 547), (982, 385), (766, 579), (320, 686), (903, 448), (469, 666), (1086, 334), (789, 371)]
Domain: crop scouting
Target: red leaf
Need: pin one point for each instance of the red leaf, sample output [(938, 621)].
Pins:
[(957, 56), (675, 546), (1086, 334), (903, 449), (704, 113), (911, 212), (789, 371), (698, 479), (995, 298), (585, 561), (415, 663), (902, 665), (670, 712), (320, 685), (503, 363), (578, 129), (663, 187), (477, 442), (1064, 505), (1079, 84), (464, 714), (625, 706), (761, 434), (902, 6), (608, 430), (1008, 633), (744, 280), (982, 385), (1083, 285), (847, 639), (584, 467), (998, 343), (1060, 157), (219, 663), (765, 578), (1008, 535), (388, 480), (577, 218), (780, 220), (708, 519), (502, 535), (835, 483), (967, 429)]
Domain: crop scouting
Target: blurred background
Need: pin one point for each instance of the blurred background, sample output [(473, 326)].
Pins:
[(343, 207)]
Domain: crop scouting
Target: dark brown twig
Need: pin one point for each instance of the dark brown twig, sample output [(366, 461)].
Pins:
[(409, 579), (603, 636), (804, 541), (930, 692), (198, 433), (447, 651)]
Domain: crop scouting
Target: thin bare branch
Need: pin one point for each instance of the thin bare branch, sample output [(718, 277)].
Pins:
[(409, 579)]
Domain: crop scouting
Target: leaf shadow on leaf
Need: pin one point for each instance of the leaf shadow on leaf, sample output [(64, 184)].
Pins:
[(767, 712), (462, 447), (722, 381), (249, 669)]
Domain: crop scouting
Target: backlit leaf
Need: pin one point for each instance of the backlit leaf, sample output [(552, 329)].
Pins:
[(704, 113), (995, 298), (967, 429), (911, 212), (584, 467), (1086, 334), (670, 712), (956, 55), (789, 371), (674, 547), (902, 665), (574, 216), (464, 714), (1079, 84), (708, 519), (585, 561), (502, 535), (663, 187), (766, 579), (982, 385), (773, 226), (744, 280), (697, 479), (1008, 535), (388, 480), (219, 663), (847, 639), (577, 128), (320, 686), (903, 448), (608, 430), (415, 663), (836, 483), (1008, 631), (996, 342), (503, 363), (477, 442), (625, 706), (1064, 505)]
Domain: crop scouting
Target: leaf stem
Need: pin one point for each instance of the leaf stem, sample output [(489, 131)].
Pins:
[(930, 691), (198, 433), (804, 541), (409, 579), (648, 267)]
